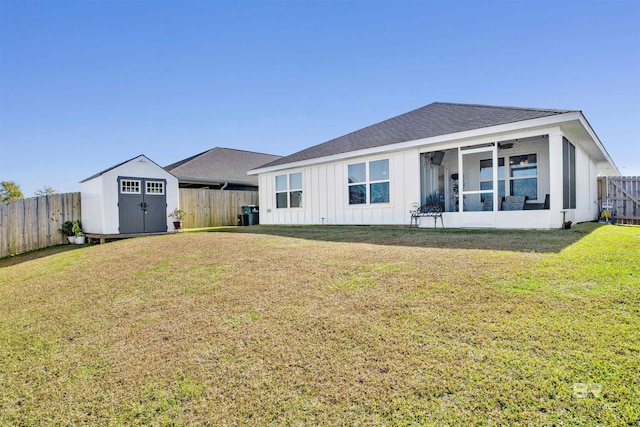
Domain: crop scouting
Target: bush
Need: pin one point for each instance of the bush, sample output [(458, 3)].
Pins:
[(67, 228)]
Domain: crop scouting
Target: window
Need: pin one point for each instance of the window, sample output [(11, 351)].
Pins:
[(369, 181), (523, 176), (130, 186), (568, 174), (155, 187), (289, 190), (486, 178)]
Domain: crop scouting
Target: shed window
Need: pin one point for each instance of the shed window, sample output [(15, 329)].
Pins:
[(130, 186), (289, 190), (155, 187), (369, 181)]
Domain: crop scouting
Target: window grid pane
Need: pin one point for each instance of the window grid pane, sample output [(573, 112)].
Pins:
[(380, 192), (155, 187), (357, 194), (281, 183), (357, 173), (525, 187), (130, 186), (281, 200), (379, 170), (523, 166), (295, 181), (296, 199)]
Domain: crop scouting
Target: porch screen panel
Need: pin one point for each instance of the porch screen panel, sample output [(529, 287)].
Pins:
[(568, 174), (475, 190), (486, 178)]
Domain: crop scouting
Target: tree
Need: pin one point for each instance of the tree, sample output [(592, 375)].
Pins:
[(45, 191), (9, 190)]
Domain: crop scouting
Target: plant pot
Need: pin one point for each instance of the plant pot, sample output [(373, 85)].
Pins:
[(72, 239), (80, 240), (177, 225)]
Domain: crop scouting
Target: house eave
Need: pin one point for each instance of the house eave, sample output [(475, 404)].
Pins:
[(608, 160), (190, 180), (452, 137)]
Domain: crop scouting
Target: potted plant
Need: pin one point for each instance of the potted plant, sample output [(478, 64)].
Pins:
[(177, 216), (434, 203), (77, 230), (67, 230)]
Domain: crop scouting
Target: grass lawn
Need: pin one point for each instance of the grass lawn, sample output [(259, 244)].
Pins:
[(326, 325)]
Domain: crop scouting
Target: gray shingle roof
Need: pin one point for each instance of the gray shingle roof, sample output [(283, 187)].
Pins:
[(435, 119), (220, 165)]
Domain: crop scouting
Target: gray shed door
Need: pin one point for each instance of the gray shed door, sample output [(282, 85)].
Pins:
[(142, 205)]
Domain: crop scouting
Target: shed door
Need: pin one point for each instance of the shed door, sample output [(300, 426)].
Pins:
[(142, 205), (155, 200)]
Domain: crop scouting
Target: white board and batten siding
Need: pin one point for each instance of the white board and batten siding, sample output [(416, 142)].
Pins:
[(326, 198), (587, 172), (325, 195), (100, 212)]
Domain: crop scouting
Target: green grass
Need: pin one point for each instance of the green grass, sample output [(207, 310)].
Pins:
[(326, 325)]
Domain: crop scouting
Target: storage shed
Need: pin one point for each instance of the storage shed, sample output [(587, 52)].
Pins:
[(132, 197)]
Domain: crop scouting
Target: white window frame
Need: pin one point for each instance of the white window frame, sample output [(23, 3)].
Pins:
[(509, 178), (368, 182), (125, 186), (289, 190), (160, 184)]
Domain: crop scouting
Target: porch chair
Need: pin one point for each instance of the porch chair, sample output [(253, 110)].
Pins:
[(514, 203)]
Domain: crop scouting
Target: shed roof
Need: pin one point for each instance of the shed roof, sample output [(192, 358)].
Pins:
[(120, 164), (438, 118), (220, 165)]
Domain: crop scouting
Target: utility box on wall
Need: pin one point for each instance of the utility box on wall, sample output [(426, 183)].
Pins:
[(132, 197)]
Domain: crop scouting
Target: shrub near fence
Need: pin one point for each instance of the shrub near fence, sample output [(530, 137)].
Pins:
[(210, 208), (34, 223)]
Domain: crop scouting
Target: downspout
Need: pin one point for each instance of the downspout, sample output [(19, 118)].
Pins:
[(224, 186)]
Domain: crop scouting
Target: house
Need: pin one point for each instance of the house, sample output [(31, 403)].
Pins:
[(468, 156), (131, 197), (220, 168)]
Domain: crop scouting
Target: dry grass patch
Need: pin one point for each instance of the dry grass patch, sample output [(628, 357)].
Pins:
[(325, 325)]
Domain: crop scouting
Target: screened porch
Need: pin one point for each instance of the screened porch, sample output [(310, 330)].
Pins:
[(464, 178)]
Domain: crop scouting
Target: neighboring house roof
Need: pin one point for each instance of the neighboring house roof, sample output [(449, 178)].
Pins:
[(120, 164), (220, 165), (439, 118)]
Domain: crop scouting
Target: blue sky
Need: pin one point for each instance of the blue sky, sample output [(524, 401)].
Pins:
[(86, 85)]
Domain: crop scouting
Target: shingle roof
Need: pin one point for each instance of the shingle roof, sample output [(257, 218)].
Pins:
[(438, 118), (220, 165)]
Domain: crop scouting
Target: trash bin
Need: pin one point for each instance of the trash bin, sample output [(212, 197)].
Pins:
[(247, 209), (253, 218), (243, 219), (252, 214)]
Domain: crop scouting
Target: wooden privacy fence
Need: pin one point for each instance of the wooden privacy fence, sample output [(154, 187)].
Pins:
[(209, 208), (624, 193), (34, 223)]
